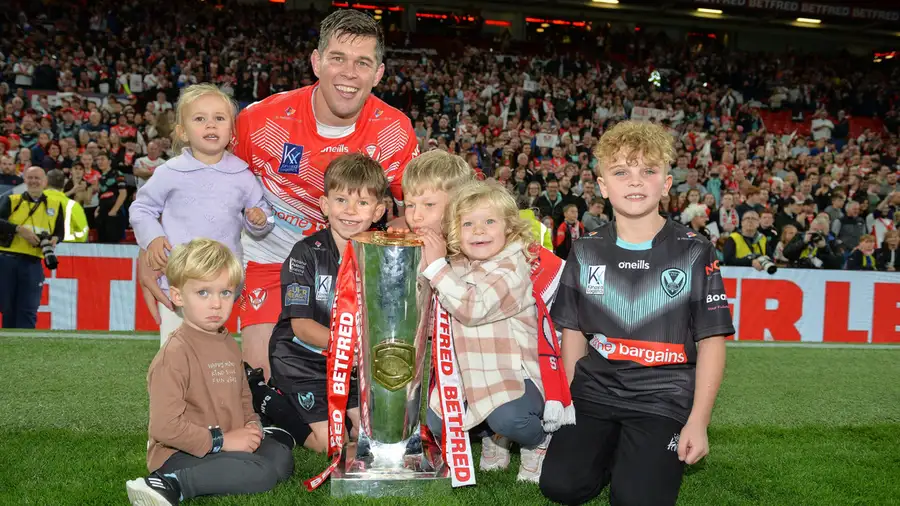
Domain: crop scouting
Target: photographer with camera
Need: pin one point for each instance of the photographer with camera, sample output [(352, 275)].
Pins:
[(814, 249), (749, 248), (31, 224)]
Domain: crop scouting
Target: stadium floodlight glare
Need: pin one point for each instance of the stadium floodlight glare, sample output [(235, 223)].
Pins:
[(610, 2), (811, 21), (704, 10)]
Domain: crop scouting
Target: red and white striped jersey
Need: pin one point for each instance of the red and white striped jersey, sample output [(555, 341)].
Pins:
[(279, 139)]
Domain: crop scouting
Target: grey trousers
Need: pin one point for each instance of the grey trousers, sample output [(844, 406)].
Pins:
[(519, 420), (231, 472)]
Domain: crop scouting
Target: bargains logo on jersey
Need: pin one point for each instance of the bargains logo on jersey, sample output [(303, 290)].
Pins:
[(646, 353)]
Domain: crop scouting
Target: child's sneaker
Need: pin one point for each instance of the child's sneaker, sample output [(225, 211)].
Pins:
[(282, 436), (154, 490), (533, 461), (494, 453)]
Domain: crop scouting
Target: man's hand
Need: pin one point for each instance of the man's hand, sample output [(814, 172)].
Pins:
[(112, 213), (157, 253), (255, 216), (97, 212), (756, 264), (435, 246), (245, 439), (693, 443), (28, 234), (150, 289)]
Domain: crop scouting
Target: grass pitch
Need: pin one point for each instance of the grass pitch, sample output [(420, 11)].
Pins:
[(792, 426)]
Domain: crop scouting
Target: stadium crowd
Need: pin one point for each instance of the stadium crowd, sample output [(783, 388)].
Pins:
[(90, 102)]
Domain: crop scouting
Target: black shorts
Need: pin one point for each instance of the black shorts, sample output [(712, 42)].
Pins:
[(635, 453), (310, 399)]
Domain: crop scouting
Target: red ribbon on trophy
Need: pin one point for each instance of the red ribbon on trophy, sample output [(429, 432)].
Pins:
[(345, 333)]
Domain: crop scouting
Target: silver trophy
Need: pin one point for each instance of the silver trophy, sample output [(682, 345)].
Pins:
[(390, 457)]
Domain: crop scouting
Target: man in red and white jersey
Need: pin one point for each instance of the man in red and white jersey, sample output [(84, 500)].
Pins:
[(288, 141)]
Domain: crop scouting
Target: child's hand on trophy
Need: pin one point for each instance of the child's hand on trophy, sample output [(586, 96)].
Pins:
[(435, 246)]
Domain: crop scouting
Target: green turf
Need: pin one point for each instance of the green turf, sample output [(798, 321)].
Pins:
[(793, 426)]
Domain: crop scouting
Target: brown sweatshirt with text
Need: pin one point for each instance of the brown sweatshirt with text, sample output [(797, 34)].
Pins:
[(195, 381)]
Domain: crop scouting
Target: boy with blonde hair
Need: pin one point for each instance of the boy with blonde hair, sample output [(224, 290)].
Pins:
[(428, 181), (205, 438), (644, 316)]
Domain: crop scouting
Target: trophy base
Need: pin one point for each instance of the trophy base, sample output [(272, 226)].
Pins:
[(411, 476)]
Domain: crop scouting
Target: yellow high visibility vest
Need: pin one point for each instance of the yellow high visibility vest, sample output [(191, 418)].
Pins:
[(39, 217), (742, 249)]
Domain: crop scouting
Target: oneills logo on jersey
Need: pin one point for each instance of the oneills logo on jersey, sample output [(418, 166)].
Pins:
[(646, 353)]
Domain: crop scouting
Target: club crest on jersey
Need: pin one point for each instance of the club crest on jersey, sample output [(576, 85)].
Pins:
[(378, 113), (258, 298), (289, 111), (372, 151), (673, 281), (291, 154), (596, 277)]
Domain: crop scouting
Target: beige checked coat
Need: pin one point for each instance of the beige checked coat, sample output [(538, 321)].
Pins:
[(494, 322)]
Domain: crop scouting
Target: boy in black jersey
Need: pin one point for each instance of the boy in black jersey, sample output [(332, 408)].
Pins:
[(296, 399), (644, 316)]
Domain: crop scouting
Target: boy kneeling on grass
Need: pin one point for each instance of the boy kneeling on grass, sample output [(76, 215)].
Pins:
[(644, 316), (205, 438)]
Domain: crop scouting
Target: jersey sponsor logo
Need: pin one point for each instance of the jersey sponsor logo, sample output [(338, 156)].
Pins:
[(258, 298), (640, 264), (296, 267), (336, 149), (596, 277), (291, 154), (712, 268), (646, 353), (290, 111), (296, 295), (716, 301), (673, 281), (294, 221), (323, 288)]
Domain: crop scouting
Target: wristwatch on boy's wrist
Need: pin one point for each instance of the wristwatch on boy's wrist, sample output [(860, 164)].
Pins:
[(218, 439)]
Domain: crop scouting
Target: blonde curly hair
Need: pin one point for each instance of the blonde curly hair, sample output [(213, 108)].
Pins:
[(477, 193), (637, 139)]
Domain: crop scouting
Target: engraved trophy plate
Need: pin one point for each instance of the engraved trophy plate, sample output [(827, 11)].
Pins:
[(390, 457)]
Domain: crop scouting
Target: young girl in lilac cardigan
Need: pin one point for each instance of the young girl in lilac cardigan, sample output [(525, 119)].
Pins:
[(204, 192)]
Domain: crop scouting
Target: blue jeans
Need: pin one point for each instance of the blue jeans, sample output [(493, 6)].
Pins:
[(21, 283), (519, 420)]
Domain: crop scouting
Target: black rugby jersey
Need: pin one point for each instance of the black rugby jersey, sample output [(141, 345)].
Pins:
[(642, 312), (307, 291)]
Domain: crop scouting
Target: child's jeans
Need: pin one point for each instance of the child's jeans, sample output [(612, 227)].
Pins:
[(519, 420)]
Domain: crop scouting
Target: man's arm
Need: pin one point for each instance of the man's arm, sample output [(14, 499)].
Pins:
[(6, 228), (59, 229)]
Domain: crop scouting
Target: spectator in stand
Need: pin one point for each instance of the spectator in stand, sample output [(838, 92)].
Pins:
[(814, 249), (745, 247), (8, 177), (595, 217), (886, 257), (787, 235), (863, 256), (76, 227), (569, 231), (848, 229), (836, 210), (696, 217), (144, 166), (767, 225), (550, 202), (752, 202), (112, 192)]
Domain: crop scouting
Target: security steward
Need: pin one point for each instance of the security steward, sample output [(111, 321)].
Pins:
[(23, 220)]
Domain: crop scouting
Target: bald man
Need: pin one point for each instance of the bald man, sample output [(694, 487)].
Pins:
[(24, 220)]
